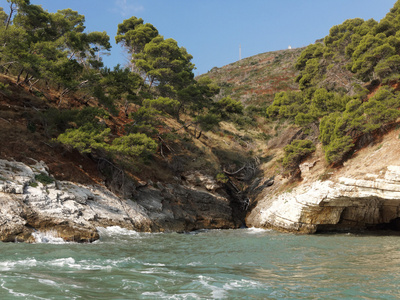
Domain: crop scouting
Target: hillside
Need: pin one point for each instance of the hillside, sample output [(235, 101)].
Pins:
[(255, 80), (153, 148)]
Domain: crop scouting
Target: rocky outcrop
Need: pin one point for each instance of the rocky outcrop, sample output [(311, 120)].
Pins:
[(31, 200), (71, 210), (372, 202)]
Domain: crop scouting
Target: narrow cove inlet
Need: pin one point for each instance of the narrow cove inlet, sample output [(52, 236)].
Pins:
[(276, 176)]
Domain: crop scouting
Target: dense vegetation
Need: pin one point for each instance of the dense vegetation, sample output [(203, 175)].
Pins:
[(334, 77), (50, 52)]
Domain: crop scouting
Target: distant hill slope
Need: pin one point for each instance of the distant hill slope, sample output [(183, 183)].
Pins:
[(255, 80)]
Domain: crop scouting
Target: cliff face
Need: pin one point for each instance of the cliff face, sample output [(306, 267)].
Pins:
[(363, 194), (74, 211)]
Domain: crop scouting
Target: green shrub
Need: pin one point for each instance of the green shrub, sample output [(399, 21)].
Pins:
[(3, 86), (228, 105), (221, 177), (208, 122), (43, 178), (56, 120), (338, 148), (162, 104), (85, 139), (287, 105), (295, 152), (133, 145), (34, 184)]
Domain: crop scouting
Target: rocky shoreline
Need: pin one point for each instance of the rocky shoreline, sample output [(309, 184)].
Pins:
[(343, 204), (74, 211), (32, 201)]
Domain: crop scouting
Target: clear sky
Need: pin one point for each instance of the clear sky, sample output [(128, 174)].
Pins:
[(212, 30)]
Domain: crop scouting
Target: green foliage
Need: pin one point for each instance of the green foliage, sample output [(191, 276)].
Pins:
[(308, 65), (166, 65), (146, 120), (338, 148), (311, 70), (136, 145), (295, 152), (338, 130), (287, 105), (33, 184), (57, 120), (162, 104), (120, 84), (3, 86), (368, 49), (43, 178), (134, 35), (304, 119), (312, 51), (208, 121), (85, 139), (386, 68), (197, 97), (221, 177), (227, 106), (50, 46)]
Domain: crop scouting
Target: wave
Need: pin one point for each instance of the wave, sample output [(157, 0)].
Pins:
[(257, 230), (48, 237), (113, 231), (10, 265)]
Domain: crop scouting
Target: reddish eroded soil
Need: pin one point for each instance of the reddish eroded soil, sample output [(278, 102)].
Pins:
[(23, 143)]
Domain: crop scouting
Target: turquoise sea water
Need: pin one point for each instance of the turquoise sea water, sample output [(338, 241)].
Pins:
[(220, 264)]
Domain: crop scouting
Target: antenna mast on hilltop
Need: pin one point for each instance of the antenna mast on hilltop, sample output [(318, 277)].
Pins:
[(240, 52)]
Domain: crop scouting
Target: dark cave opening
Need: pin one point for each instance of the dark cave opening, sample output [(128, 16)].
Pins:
[(381, 219)]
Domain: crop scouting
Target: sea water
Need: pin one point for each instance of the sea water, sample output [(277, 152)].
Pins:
[(217, 264)]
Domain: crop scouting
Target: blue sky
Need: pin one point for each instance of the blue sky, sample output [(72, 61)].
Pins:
[(211, 30)]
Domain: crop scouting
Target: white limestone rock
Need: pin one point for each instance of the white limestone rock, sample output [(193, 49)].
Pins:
[(346, 201), (27, 202)]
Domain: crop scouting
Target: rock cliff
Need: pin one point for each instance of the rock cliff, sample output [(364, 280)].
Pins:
[(363, 194), (31, 201)]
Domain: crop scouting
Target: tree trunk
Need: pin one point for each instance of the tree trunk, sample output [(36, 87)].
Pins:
[(19, 75)]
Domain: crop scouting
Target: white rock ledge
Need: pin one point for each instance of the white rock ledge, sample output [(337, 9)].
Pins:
[(347, 204)]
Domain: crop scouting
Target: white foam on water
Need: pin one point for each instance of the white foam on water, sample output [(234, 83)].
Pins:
[(257, 230), (216, 292), (90, 265), (154, 264), (162, 295), (48, 237), (65, 262), (116, 231), (48, 282), (242, 284), (10, 265), (193, 264)]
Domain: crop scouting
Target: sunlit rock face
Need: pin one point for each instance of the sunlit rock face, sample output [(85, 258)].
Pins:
[(74, 211), (344, 204)]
